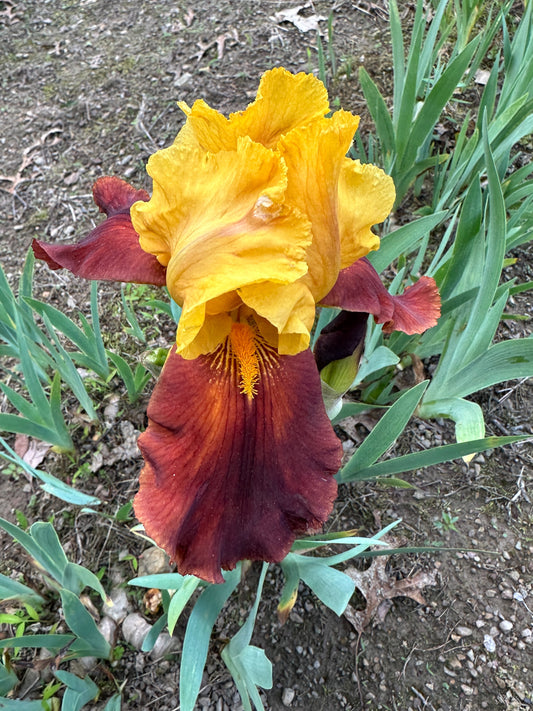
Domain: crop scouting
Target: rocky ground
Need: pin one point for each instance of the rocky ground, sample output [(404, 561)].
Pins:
[(90, 89)]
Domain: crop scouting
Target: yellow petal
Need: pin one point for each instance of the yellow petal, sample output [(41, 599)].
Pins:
[(366, 197), (290, 308), (201, 336), (314, 156), (220, 222), (206, 128), (284, 101)]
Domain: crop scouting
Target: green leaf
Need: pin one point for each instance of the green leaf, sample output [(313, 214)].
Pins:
[(76, 577), (79, 691), (16, 705), (8, 679), (13, 590), (384, 433), (468, 417), (163, 581), (503, 361), (435, 102), (382, 357), (53, 642), (180, 598), (153, 633), (330, 585), (404, 240), (349, 409), (379, 112), (114, 703), (430, 457), (50, 483), (134, 381), (51, 557), (198, 632), (249, 665), (84, 627)]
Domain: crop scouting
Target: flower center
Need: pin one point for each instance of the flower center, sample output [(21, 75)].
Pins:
[(244, 348)]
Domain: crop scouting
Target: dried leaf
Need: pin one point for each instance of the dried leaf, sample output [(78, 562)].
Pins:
[(379, 588), (482, 76), (304, 24), (32, 451)]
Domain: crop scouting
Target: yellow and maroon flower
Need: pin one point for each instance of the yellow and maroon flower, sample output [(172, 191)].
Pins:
[(253, 220)]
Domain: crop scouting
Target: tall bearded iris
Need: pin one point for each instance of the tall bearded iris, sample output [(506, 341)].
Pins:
[(253, 220)]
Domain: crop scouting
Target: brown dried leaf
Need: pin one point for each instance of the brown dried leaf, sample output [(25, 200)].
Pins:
[(378, 589), (302, 23), (32, 451)]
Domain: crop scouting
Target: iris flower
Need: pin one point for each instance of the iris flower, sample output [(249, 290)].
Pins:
[(253, 221)]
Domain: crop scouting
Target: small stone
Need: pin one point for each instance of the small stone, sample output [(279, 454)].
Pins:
[(463, 631), (526, 633), (490, 593), (119, 607), (480, 623), (153, 561), (507, 594), (489, 643), (135, 628), (287, 696), (514, 575), (108, 629), (506, 626), (468, 690)]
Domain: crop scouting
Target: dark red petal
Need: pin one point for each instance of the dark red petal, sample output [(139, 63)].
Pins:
[(113, 195), (359, 288), (340, 338), (228, 477), (417, 309), (111, 251)]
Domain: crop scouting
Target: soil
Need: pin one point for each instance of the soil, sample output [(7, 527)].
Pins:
[(90, 89)]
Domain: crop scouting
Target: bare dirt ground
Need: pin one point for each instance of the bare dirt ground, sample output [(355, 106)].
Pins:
[(90, 88)]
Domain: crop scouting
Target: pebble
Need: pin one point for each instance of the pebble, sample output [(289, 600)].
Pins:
[(287, 696), (463, 631), (153, 561), (119, 607), (506, 626), (526, 633), (489, 643), (135, 628), (468, 690)]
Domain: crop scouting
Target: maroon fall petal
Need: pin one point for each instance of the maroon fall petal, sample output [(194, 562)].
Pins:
[(111, 251), (359, 288), (340, 338), (417, 309), (229, 477)]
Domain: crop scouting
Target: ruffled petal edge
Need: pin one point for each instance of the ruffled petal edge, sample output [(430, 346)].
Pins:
[(111, 251), (359, 288)]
